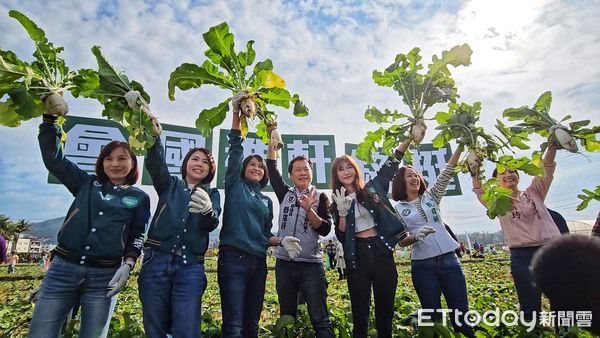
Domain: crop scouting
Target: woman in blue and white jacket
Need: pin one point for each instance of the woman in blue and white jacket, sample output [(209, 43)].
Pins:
[(435, 269)]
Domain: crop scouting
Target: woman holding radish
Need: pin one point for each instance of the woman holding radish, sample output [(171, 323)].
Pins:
[(369, 229), (435, 268), (99, 240), (172, 280), (526, 227), (245, 236)]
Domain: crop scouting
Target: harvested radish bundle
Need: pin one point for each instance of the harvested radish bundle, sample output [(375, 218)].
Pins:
[(125, 102), (38, 87), (227, 69), (538, 120), (459, 123), (419, 91)]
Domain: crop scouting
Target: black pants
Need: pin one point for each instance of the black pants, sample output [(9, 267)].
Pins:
[(375, 269), (331, 261)]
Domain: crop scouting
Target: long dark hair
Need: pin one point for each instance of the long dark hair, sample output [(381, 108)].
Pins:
[(399, 184), (265, 179), (367, 196), (212, 166), (359, 182), (133, 174)]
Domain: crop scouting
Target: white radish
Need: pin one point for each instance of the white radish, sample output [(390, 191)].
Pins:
[(565, 140), (248, 107), (132, 99), (474, 162), (417, 131), (56, 105), (276, 139)]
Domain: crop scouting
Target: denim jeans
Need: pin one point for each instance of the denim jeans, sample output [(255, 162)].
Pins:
[(308, 278), (171, 294), (242, 279), (530, 297), (375, 269), (442, 274), (63, 285)]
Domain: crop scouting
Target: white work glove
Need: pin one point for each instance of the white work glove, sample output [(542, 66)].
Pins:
[(200, 202), (132, 97), (291, 246), (342, 201), (275, 140), (423, 232), (235, 101), (119, 280)]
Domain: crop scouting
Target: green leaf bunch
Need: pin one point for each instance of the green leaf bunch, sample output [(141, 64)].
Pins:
[(537, 120), (497, 199), (587, 196), (235, 72), (24, 84), (112, 86), (419, 90)]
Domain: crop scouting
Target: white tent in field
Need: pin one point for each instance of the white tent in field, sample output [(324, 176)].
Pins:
[(581, 227)]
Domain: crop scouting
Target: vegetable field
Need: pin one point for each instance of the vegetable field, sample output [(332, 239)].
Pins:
[(489, 287)]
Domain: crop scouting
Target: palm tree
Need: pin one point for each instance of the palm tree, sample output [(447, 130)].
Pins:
[(4, 224), (16, 228)]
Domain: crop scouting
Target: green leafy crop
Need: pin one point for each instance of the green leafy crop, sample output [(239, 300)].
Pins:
[(111, 91), (497, 198), (419, 91), (24, 84), (538, 120), (587, 196), (227, 69)]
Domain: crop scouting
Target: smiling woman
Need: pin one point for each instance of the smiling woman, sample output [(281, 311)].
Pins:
[(99, 241)]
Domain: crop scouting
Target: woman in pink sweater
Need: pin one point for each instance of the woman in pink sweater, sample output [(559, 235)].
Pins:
[(526, 227)]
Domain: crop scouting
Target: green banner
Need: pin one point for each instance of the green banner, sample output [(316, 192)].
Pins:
[(319, 148), (429, 161), (87, 136)]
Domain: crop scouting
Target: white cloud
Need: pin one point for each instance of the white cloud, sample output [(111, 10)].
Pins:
[(326, 51)]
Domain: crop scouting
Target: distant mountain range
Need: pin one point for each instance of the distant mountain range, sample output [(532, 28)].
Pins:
[(49, 229)]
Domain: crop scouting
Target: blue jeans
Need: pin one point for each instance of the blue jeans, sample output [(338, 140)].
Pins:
[(530, 297), (171, 295), (242, 279), (442, 274), (375, 270), (308, 278), (63, 285)]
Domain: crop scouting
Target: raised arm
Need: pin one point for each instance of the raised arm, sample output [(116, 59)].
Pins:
[(542, 183), (236, 152), (388, 170), (157, 167), (66, 171), (438, 189)]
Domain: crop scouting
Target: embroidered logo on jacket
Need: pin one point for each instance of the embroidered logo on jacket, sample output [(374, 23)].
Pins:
[(129, 201)]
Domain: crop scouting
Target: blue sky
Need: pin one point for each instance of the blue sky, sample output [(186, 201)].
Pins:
[(326, 51)]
